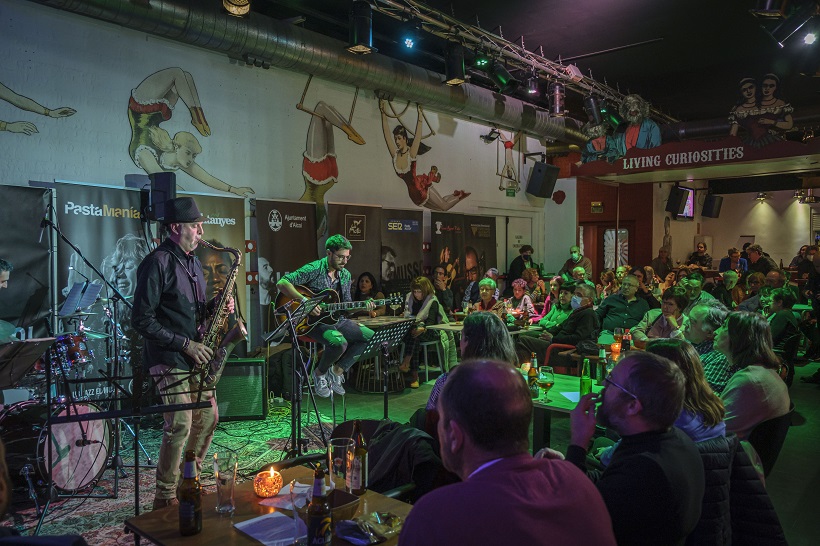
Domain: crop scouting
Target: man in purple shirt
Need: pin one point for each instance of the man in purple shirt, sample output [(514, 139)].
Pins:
[(506, 496)]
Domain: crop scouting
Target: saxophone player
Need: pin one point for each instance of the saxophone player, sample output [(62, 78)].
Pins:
[(169, 310)]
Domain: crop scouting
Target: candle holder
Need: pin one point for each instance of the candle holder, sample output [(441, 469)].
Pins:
[(616, 349), (267, 484)]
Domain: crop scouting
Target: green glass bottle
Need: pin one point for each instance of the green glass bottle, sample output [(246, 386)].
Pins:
[(586, 380)]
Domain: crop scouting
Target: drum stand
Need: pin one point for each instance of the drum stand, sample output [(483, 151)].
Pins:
[(288, 326)]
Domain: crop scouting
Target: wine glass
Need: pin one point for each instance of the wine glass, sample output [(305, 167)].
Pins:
[(546, 380), (395, 305), (618, 334)]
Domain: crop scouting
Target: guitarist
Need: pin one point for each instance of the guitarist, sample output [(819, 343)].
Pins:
[(169, 308), (345, 340)]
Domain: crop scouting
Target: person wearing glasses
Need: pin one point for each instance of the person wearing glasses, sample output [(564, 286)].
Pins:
[(443, 292), (654, 484), (343, 341), (624, 309)]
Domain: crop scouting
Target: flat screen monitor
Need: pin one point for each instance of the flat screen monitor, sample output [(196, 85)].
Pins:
[(689, 210)]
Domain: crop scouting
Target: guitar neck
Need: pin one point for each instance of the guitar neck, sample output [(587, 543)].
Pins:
[(346, 305)]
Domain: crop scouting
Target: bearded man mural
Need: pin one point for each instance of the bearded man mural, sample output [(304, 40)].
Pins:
[(642, 132), (599, 146)]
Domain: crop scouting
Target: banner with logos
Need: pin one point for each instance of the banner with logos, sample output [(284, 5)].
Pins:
[(286, 240), (25, 302), (401, 253), (480, 243), (447, 246), (361, 224)]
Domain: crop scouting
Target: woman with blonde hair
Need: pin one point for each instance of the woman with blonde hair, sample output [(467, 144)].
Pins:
[(422, 305)]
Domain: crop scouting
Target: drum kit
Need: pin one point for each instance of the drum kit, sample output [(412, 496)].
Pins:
[(54, 387)]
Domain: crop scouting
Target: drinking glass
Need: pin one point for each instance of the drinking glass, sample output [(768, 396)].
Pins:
[(339, 456), (546, 380), (395, 306), (225, 464), (618, 334)]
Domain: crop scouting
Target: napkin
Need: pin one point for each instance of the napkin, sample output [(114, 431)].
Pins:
[(274, 529), (572, 396), (282, 500)]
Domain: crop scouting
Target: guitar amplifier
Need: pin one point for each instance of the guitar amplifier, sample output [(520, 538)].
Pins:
[(242, 391)]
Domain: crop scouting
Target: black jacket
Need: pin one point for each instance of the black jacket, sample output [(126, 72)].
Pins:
[(581, 324)]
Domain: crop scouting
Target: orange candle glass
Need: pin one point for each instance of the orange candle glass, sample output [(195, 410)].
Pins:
[(267, 484)]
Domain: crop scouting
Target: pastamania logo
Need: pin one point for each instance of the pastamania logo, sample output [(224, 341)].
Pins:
[(93, 210)]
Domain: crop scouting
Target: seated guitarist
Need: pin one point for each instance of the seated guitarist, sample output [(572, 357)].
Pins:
[(345, 340)]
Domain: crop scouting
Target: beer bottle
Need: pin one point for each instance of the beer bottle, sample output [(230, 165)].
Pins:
[(356, 478), (190, 498), (586, 380), (600, 368), (318, 512), (626, 342), (532, 376)]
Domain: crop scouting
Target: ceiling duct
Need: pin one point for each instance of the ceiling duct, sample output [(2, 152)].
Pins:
[(277, 43)]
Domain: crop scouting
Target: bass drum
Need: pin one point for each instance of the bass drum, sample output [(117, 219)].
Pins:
[(77, 461)]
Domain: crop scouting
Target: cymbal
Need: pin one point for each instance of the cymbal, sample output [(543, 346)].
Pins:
[(91, 334), (78, 315), (108, 300), (6, 329)]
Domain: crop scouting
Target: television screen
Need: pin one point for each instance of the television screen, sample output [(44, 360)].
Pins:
[(689, 210)]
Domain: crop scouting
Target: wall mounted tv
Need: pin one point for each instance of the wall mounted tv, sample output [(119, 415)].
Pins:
[(689, 210)]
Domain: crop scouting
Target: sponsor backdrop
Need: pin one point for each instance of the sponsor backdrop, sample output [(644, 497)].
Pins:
[(447, 246), (362, 226), (286, 239), (401, 257), (26, 301), (480, 240)]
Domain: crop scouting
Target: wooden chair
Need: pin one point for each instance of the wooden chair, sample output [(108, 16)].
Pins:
[(768, 438)]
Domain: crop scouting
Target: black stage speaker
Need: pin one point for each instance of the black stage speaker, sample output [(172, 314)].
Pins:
[(711, 207), (163, 188), (676, 203), (542, 179), (242, 391)]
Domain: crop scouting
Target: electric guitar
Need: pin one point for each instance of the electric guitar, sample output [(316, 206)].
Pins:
[(331, 308)]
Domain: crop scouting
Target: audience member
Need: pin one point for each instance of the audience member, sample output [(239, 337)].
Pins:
[(519, 264), (506, 496), (488, 298), (368, 289), (576, 260), (806, 266), (608, 286), (670, 280), (800, 258), (560, 310), (552, 297), (444, 293), (622, 271), (422, 305), (663, 263), (755, 392), (694, 290), (754, 282), (725, 291), (520, 301), (484, 336), (654, 484), (700, 257), (668, 321), (624, 309), (536, 287), (704, 320), (645, 277), (582, 324), (759, 261), (471, 293), (782, 321), (733, 262)]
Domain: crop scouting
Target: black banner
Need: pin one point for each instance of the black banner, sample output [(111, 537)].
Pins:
[(447, 246), (286, 239), (25, 303), (401, 257), (361, 224), (480, 243)]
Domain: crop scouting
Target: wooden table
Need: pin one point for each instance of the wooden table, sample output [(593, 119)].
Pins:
[(558, 403), (162, 526)]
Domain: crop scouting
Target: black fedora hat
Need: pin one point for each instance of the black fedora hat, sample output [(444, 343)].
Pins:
[(182, 210)]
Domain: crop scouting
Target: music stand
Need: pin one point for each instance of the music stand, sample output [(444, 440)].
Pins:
[(18, 357), (383, 339), (289, 325), (82, 295)]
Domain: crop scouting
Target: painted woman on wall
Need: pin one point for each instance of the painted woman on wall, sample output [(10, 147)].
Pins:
[(25, 103), (151, 148), (403, 151), (762, 115)]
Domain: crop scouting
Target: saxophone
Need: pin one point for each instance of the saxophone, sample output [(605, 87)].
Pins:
[(215, 335)]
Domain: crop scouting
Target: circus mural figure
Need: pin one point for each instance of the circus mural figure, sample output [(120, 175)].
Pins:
[(25, 103), (404, 150), (641, 132), (152, 148), (761, 113), (319, 168)]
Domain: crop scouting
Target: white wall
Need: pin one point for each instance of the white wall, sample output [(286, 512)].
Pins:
[(780, 225), (257, 135)]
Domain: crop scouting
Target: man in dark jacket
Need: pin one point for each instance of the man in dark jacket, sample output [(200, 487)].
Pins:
[(625, 309), (582, 324), (653, 488)]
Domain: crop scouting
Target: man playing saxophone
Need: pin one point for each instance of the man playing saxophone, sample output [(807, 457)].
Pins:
[(169, 312)]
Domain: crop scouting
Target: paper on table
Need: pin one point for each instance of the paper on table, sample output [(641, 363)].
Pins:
[(274, 529), (572, 396), (282, 500)]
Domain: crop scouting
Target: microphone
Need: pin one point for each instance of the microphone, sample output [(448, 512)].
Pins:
[(43, 224), (83, 443), (78, 272)]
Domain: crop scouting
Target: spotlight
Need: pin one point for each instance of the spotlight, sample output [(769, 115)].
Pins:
[(782, 32), (360, 37), (762, 196), (532, 84), (410, 35), (237, 8), (454, 72), (613, 118), (810, 38), (502, 78), (491, 136), (592, 107), (481, 60), (557, 94)]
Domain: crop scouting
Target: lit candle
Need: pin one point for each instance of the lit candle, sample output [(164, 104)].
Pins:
[(615, 348), (267, 484)]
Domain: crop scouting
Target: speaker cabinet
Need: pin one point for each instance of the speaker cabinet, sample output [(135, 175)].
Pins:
[(542, 179), (676, 203), (242, 391), (711, 207), (163, 188)]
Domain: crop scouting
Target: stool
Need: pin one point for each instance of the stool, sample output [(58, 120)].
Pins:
[(425, 345), (370, 379)]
